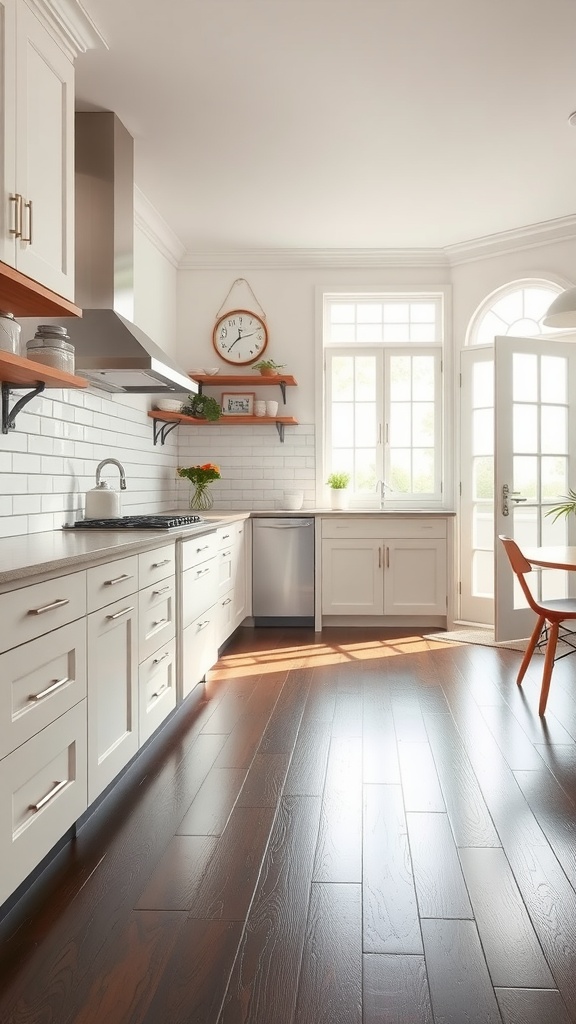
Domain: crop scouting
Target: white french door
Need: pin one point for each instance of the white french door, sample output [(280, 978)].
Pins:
[(535, 442), (517, 433)]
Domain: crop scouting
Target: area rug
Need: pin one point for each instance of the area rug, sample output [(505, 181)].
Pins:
[(484, 637)]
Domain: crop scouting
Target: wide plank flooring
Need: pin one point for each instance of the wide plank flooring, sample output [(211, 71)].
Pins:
[(351, 827)]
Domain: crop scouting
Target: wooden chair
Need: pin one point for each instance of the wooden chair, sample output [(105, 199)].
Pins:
[(550, 615)]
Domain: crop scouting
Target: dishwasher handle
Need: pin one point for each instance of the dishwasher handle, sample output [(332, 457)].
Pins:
[(294, 524)]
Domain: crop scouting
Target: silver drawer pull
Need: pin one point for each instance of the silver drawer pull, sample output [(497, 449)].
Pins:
[(49, 607), (49, 796), (161, 690), (119, 579), (205, 548), (123, 611), (163, 658), (225, 554), (227, 601), (158, 565), (202, 572), (225, 536), (202, 625), (159, 622), (161, 591), (50, 689)]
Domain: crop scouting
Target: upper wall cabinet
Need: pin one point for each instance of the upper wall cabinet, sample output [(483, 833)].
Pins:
[(37, 213)]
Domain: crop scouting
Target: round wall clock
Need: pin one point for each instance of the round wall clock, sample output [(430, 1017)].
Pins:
[(240, 337)]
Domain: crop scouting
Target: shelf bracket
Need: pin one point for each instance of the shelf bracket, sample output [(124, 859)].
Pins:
[(282, 386), (280, 429), (161, 429), (9, 415)]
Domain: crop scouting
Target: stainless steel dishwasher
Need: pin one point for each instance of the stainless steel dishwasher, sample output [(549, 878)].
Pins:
[(283, 571)]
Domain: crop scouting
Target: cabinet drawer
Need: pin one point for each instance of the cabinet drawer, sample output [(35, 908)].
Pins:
[(42, 793), (227, 535), (199, 649), (156, 617), (382, 528), (198, 550), (226, 617), (227, 557), (199, 590), (157, 689), (112, 581), (156, 565), (39, 681), (33, 611)]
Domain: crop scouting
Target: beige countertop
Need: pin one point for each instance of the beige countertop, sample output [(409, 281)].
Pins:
[(39, 555)]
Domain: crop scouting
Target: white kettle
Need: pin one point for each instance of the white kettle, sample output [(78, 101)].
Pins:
[(102, 502)]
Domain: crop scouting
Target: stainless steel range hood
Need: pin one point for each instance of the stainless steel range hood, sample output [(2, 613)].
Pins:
[(111, 352)]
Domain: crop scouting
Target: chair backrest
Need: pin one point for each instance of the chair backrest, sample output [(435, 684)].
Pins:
[(520, 566)]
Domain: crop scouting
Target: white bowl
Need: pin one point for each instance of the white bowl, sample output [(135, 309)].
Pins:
[(212, 372), (168, 405), (293, 500)]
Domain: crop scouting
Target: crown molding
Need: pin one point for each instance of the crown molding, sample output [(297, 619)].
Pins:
[(70, 24), (154, 227), (283, 259), (530, 237)]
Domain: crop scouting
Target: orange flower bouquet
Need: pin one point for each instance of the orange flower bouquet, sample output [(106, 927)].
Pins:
[(200, 476)]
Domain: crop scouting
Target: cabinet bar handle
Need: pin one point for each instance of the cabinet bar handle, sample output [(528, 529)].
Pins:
[(28, 237), (163, 658), (227, 601), (50, 689), (161, 690), (17, 229), (59, 603), (123, 611), (49, 796), (118, 579), (225, 536), (161, 591), (379, 557), (202, 572), (387, 557), (202, 625), (226, 554), (205, 548), (158, 565), (159, 622)]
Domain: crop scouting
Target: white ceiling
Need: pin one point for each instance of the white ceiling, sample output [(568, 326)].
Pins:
[(342, 123)]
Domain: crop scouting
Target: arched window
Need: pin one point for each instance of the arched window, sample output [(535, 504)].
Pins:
[(517, 309)]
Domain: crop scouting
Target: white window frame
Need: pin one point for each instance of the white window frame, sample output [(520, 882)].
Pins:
[(323, 443)]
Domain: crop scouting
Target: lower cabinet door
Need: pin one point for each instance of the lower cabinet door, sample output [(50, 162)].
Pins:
[(112, 691), (415, 577), (199, 649), (157, 689), (43, 791), (352, 577), (225, 617)]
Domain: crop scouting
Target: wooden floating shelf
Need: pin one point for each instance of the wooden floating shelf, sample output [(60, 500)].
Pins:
[(25, 297), (172, 419), (257, 379), (21, 372)]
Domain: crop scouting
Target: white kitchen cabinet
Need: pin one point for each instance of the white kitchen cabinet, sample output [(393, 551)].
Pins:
[(199, 648), (42, 793), (232, 578), (156, 617), (384, 568), (37, 218), (156, 689), (112, 691), (41, 607), (197, 610)]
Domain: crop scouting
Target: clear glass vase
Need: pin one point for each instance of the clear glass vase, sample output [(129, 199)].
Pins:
[(201, 498)]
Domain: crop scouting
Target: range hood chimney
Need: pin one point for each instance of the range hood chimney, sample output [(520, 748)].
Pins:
[(111, 352)]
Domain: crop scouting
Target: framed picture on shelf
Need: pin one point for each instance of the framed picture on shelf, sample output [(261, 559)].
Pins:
[(235, 403)]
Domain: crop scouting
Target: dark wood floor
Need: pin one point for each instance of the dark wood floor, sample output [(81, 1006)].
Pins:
[(349, 829)]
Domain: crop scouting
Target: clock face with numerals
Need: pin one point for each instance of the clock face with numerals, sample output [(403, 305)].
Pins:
[(240, 337)]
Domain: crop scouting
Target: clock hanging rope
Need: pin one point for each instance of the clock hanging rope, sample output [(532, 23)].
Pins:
[(240, 336)]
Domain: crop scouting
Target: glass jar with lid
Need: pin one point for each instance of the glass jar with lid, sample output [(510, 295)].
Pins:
[(9, 333), (51, 346)]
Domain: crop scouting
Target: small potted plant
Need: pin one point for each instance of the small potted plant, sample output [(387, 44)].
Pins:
[(268, 368), (338, 482), (202, 407)]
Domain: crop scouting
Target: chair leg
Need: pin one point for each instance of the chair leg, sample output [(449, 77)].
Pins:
[(548, 666), (530, 649)]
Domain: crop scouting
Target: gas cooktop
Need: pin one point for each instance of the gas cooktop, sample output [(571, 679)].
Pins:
[(157, 522)]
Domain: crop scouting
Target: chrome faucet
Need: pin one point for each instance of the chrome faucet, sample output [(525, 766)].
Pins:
[(382, 486), (113, 462)]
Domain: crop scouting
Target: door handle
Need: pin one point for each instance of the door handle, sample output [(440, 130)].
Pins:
[(507, 494)]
